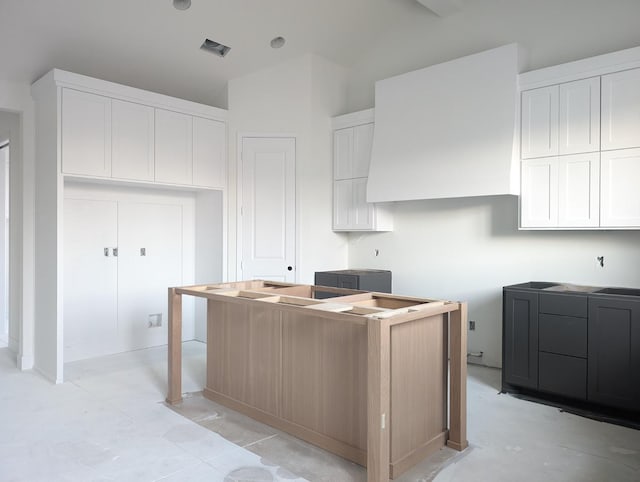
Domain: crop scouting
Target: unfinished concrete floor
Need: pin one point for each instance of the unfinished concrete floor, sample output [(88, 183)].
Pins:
[(109, 422)]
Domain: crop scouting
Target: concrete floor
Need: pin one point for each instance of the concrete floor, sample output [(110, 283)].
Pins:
[(109, 422)]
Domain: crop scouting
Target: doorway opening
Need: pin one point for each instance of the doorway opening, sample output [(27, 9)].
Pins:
[(4, 242)]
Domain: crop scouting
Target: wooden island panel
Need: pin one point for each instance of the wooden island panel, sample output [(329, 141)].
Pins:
[(243, 354), (325, 377), (363, 375), (418, 390)]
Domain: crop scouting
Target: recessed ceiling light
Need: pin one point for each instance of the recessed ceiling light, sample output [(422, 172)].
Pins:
[(277, 42), (181, 4), (215, 47)]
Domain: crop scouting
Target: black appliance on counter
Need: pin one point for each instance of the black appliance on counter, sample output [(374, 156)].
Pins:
[(356, 279)]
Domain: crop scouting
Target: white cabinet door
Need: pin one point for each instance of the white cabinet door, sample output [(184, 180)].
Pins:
[(619, 191), (539, 136), (362, 144), (209, 153), (91, 278), (343, 153), (342, 204), (174, 147), (362, 210), (579, 190), (86, 133), (144, 276), (132, 141), (621, 110), (579, 123), (539, 195)]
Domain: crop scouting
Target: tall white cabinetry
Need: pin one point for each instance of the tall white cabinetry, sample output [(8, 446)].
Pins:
[(125, 169), (580, 145), (352, 143)]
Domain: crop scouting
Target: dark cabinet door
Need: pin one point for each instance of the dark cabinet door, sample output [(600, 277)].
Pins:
[(614, 352), (520, 338)]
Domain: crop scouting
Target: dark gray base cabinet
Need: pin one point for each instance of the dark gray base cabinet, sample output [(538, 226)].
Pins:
[(355, 279), (576, 346), (614, 352), (520, 338)]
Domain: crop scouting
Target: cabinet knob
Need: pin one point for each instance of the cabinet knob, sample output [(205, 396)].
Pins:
[(289, 268), (106, 252), (115, 251)]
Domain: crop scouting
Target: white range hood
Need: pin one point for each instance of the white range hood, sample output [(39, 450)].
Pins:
[(447, 130)]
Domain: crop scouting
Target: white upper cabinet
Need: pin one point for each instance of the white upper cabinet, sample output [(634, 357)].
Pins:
[(363, 212), (86, 133), (362, 144), (579, 190), (352, 143), (621, 110), (209, 153), (342, 204), (539, 136), (343, 153), (579, 122), (620, 203), (173, 147), (352, 151), (539, 199), (132, 141)]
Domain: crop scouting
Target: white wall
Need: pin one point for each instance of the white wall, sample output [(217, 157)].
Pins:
[(16, 98), (467, 249), (550, 31), (297, 97)]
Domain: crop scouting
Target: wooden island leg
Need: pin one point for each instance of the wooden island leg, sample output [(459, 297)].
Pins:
[(175, 348), (378, 399), (458, 380)]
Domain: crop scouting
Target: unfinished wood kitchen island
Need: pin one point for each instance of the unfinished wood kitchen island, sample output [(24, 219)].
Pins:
[(376, 378)]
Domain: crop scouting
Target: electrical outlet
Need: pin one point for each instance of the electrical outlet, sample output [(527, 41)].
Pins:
[(472, 325), (155, 320)]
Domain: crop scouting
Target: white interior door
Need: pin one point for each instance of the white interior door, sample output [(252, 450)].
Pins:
[(90, 284), (149, 260), (267, 209)]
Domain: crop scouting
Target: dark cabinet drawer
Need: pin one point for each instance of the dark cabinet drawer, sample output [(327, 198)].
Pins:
[(564, 335), (562, 304), (563, 375)]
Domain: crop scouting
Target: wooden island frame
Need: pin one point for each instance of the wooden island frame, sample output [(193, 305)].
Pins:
[(378, 379)]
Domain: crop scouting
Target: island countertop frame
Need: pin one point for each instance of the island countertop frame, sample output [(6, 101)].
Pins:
[(400, 348)]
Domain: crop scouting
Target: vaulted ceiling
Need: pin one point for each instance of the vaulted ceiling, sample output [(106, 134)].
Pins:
[(150, 44)]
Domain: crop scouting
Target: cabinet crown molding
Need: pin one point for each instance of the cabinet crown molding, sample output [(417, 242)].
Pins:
[(581, 69), (61, 78)]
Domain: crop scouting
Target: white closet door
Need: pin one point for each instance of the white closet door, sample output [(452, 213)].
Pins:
[(90, 284), (144, 276)]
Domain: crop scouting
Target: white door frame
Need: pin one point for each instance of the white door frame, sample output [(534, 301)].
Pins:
[(239, 173)]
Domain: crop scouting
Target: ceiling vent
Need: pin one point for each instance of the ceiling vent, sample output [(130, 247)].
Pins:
[(215, 47)]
